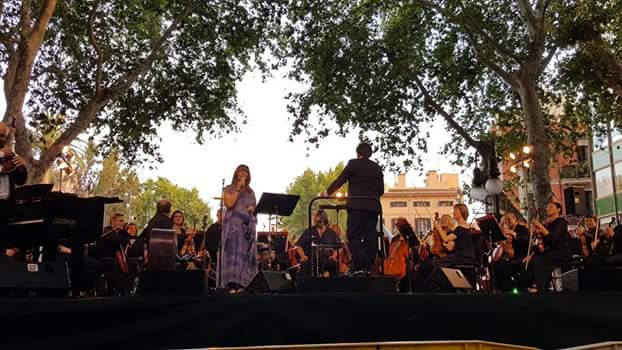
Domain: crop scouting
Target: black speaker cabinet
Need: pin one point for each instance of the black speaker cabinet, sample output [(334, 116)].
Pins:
[(178, 283), (21, 279), (447, 280), (574, 200), (271, 282)]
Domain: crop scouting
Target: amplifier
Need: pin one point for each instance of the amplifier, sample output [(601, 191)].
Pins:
[(19, 278)]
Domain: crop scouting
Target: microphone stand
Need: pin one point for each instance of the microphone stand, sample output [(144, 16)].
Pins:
[(222, 212)]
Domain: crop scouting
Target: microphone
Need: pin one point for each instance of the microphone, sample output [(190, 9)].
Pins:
[(335, 207)]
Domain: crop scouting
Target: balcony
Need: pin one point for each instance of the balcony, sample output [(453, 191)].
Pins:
[(578, 170)]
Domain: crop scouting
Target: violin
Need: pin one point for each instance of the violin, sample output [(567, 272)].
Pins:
[(437, 249), (6, 162), (121, 257)]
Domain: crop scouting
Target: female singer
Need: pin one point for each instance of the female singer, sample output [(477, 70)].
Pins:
[(556, 241), (239, 246)]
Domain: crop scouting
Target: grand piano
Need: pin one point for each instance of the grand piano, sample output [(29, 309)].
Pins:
[(39, 217)]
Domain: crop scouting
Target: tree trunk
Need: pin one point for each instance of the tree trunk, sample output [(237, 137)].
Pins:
[(536, 136)]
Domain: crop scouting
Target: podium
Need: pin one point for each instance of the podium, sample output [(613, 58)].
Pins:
[(275, 205)]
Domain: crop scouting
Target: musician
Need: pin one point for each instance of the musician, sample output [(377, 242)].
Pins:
[(238, 265), (319, 234), (178, 220), (610, 254), (212, 237), (585, 237), (8, 181), (507, 270), (109, 248), (364, 178), (556, 244), (161, 219), (460, 250)]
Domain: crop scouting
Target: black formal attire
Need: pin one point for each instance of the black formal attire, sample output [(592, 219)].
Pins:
[(556, 252), (507, 273), (106, 249), (161, 221), (212, 241), (365, 179), (310, 237), (462, 254), (615, 258), (16, 178)]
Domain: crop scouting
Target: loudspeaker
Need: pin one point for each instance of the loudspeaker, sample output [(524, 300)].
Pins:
[(372, 284), (162, 250), (180, 283), (447, 280), (21, 279), (600, 279), (270, 282), (574, 200)]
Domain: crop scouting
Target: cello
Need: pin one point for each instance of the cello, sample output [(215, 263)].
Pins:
[(395, 263)]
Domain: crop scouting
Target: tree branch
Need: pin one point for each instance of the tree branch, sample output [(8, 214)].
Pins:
[(509, 78), (548, 58), (529, 16), (481, 147), (470, 27), (93, 41)]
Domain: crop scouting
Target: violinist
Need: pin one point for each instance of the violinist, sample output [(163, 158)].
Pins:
[(319, 234), (110, 251), (509, 265), (555, 247), (458, 243), (586, 232), (611, 254), (186, 245)]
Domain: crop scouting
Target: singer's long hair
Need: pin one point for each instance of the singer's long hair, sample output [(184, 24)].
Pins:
[(237, 171)]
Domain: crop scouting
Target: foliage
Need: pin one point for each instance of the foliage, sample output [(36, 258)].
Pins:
[(309, 185), (186, 200), (123, 67)]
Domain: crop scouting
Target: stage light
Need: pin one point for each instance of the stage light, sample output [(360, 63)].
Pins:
[(494, 186), (339, 195)]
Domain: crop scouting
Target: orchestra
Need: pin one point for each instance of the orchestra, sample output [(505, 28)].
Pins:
[(231, 253)]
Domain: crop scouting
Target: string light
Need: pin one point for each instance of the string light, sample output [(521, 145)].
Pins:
[(513, 169), (513, 155), (526, 149)]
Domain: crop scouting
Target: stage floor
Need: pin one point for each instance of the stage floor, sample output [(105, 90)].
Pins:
[(545, 321)]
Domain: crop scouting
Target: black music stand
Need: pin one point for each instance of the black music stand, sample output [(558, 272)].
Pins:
[(489, 227), (275, 204)]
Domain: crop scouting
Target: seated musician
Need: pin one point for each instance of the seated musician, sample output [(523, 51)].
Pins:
[(555, 247), (134, 253), (90, 268), (8, 182), (108, 251), (319, 234), (507, 269), (586, 234), (460, 250), (608, 251), (179, 226)]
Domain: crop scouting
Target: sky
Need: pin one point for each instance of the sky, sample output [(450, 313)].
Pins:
[(263, 145)]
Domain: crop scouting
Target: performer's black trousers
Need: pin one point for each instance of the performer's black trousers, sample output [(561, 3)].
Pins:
[(362, 238)]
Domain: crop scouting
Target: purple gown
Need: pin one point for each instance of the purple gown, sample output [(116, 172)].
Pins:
[(239, 244)]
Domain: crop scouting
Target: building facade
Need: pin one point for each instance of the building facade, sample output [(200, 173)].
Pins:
[(608, 180), (420, 204)]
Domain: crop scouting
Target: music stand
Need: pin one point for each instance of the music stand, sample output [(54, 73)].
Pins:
[(489, 227), (275, 204)]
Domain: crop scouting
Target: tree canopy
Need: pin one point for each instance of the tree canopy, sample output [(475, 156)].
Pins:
[(123, 67), (309, 185)]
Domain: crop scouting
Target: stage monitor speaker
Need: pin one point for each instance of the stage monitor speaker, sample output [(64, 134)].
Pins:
[(574, 200), (600, 279), (447, 280), (178, 283), (30, 279), (371, 284), (162, 250), (271, 282)]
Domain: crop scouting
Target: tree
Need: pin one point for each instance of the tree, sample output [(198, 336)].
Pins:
[(188, 201), (392, 67), (123, 67), (308, 185)]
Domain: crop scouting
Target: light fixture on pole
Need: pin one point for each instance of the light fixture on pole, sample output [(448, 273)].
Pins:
[(478, 192), (494, 185)]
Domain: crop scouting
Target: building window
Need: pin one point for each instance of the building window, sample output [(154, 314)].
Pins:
[(421, 203), (400, 204), (423, 226), (445, 203)]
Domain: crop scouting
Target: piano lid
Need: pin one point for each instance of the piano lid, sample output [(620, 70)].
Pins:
[(45, 190)]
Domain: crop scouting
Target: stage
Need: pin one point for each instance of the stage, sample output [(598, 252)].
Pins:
[(545, 321)]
